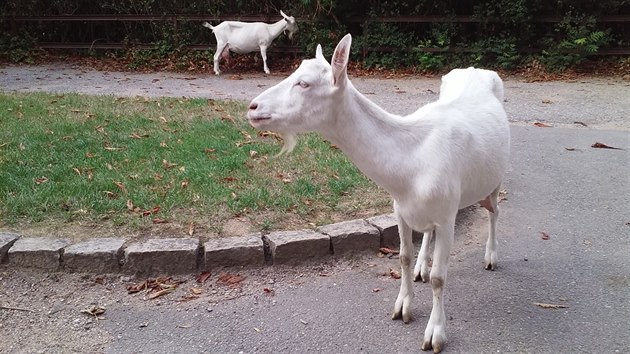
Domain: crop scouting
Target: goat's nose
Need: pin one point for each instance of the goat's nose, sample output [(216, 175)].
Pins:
[(253, 105)]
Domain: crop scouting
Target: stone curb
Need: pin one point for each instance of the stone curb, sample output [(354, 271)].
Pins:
[(189, 255)]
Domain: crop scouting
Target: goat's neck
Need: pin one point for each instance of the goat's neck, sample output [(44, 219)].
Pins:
[(380, 144), (276, 28)]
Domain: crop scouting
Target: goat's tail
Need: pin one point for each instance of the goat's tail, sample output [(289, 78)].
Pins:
[(206, 24)]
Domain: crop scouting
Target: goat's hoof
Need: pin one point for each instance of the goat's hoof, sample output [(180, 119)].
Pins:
[(402, 309), (490, 266), (434, 341)]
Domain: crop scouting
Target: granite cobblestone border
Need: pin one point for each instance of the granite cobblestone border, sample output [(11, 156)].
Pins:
[(188, 255)]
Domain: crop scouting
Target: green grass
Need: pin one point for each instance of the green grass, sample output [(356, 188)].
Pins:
[(83, 160)]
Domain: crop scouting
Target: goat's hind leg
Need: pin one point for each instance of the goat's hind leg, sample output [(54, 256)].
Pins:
[(421, 270), (221, 49), (435, 333), (402, 308), (490, 259)]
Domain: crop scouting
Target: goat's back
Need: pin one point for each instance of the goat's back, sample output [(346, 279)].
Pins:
[(471, 134)]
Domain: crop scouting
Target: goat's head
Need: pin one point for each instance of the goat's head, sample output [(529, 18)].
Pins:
[(306, 100), (291, 27)]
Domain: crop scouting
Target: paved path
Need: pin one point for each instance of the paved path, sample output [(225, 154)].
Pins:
[(580, 198), (597, 102)]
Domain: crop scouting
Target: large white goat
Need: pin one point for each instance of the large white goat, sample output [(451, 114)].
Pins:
[(448, 155), (247, 37)]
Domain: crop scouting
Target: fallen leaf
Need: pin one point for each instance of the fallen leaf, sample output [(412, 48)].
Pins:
[(394, 274), (184, 184), (257, 330), (196, 291), (132, 289), (243, 143), (375, 290), (138, 136), (41, 180), (130, 205), (151, 211), (76, 170), (545, 236), (120, 186), (201, 278), (159, 293), (543, 125), (502, 195), (230, 179), (160, 221), (546, 101), (111, 195), (89, 155), (167, 164), (550, 306), (191, 229), (94, 310), (253, 153), (209, 151), (386, 250), (229, 279), (580, 123), (599, 145), (569, 149), (269, 291)]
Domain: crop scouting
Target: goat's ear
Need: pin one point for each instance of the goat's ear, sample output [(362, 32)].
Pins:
[(284, 15), (339, 60), (319, 53)]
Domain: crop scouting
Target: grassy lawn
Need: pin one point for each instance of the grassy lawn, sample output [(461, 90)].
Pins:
[(84, 166)]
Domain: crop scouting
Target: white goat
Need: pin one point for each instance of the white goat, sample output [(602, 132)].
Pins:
[(448, 155), (247, 37)]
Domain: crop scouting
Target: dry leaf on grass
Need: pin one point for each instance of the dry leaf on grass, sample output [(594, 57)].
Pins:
[(41, 180), (159, 221), (167, 164), (151, 211)]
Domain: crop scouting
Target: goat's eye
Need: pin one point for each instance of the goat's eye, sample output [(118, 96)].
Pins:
[(302, 84)]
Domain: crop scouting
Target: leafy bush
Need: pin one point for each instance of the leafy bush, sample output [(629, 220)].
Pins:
[(572, 41)]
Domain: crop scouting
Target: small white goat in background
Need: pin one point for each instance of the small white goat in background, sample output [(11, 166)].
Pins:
[(448, 155), (247, 37)]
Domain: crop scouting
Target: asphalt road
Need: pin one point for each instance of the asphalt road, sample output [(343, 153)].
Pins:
[(557, 184)]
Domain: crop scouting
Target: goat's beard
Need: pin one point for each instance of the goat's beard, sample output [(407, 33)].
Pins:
[(290, 140)]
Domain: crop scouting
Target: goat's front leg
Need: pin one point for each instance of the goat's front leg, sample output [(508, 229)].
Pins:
[(490, 259), (263, 53), (435, 333), (402, 308), (421, 270)]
